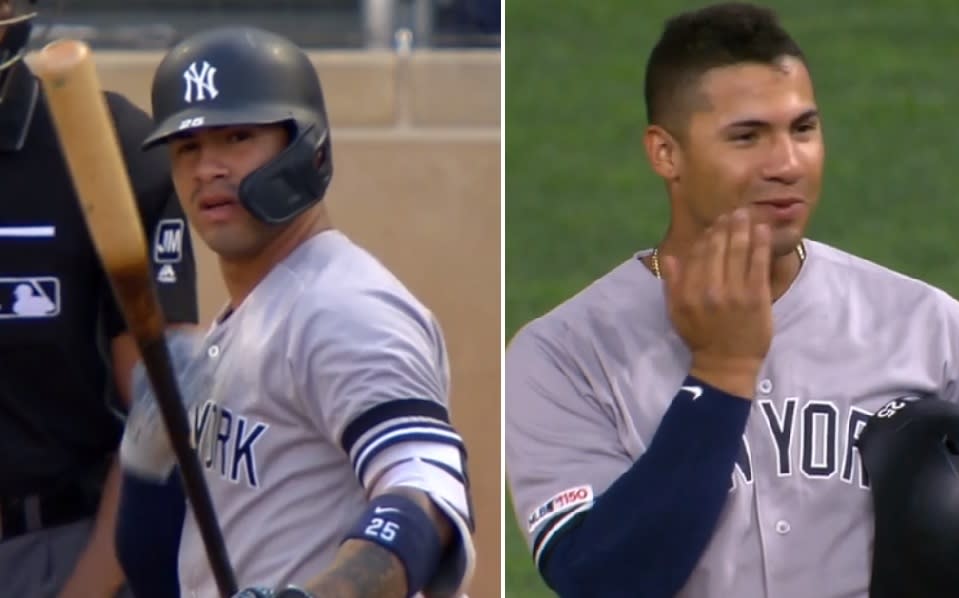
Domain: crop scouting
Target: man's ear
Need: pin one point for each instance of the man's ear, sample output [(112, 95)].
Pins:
[(663, 152)]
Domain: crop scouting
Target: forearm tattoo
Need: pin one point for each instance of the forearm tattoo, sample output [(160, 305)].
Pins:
[(365, 571)]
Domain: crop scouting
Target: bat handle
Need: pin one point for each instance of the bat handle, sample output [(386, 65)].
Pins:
[(156, 359)]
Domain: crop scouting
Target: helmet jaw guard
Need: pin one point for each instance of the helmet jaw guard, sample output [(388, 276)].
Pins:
[(239, 76), (910, 450), (291, 182)]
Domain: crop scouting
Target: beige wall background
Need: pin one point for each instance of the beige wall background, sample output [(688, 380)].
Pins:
[(416, 150)]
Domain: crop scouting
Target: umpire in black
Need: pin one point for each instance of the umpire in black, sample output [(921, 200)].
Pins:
[(65, 358)]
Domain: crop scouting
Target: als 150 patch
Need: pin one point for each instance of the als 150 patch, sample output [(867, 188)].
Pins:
[(562, 501)]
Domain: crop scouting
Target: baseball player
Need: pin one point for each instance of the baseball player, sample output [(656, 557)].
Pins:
[(65, 353), (686, 425), (319, 397)]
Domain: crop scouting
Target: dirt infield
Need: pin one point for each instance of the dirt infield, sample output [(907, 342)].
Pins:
[(416, 148)]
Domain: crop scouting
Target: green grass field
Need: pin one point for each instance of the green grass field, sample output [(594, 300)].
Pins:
[(580, 196)]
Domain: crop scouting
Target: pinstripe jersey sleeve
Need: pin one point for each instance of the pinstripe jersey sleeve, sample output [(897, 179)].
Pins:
[(562, 446)]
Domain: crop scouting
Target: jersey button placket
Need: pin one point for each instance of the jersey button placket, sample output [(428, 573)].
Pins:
[(766, 509)]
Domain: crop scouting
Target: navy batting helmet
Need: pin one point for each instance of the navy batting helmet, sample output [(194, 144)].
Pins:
[(910, 450), (247, 76)]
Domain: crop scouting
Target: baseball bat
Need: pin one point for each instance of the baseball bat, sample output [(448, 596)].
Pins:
[(88, 138)]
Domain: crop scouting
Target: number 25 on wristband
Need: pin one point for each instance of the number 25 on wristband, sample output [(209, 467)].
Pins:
[(381, 528)]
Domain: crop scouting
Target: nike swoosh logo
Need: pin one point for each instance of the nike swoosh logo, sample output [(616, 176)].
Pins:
[(696, 391), (379, 510)]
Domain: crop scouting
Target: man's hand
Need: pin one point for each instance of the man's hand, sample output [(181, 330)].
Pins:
[(720, 302)]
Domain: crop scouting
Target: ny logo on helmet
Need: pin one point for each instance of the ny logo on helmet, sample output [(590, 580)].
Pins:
[(200, 84)]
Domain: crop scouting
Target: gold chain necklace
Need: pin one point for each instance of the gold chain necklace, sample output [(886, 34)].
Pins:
[(800, 251)]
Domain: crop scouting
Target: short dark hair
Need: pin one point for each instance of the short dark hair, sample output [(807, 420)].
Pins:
[(697, 41)]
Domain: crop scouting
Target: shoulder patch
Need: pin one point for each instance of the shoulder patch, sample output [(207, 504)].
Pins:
[(562, 501), (168, 241)]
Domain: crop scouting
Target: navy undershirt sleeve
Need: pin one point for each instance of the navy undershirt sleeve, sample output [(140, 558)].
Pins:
[(646, 532), (149, 522)]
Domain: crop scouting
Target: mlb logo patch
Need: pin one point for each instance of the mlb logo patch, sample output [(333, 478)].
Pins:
[(29, 297), (168, 241)]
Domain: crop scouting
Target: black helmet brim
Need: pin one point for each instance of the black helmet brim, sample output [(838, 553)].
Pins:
[(204, 117)]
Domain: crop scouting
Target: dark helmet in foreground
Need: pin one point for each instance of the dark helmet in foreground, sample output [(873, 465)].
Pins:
[(910, 450)]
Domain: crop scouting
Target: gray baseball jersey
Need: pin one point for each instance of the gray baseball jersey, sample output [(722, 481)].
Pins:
[(587, 384), (285, 433)]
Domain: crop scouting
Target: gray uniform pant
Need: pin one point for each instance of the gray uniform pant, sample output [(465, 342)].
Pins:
[(37, 565)]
